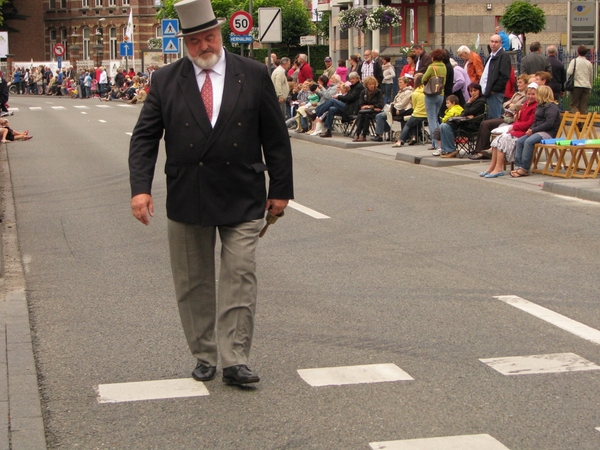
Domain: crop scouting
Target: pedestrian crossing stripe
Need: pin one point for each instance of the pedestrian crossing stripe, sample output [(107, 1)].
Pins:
[(35, 108), (540, 364), (81, 107), (339, 376), (465, 442), (151, 390), (13, 109), (58, 107), (103, 106), (128, 133), (171, 47)]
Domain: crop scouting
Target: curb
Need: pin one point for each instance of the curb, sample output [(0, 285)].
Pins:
[(20, 406)]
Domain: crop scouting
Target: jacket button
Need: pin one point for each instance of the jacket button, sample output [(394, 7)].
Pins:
[(239, 124), (187, 124), (227, 163), (235, 145), (201, 164), (191, 145)]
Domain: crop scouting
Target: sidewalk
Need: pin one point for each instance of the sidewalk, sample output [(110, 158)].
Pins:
[(584, 189), (22, 426)]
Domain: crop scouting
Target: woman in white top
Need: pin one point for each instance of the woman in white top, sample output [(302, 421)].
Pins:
[(584, 79)]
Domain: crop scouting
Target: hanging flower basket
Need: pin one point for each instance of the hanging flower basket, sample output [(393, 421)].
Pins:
[(370, 19)]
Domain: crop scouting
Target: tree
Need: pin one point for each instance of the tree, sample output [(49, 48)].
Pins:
[(521, 17)]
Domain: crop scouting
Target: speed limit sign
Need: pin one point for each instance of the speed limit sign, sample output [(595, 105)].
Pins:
[(240, 22)]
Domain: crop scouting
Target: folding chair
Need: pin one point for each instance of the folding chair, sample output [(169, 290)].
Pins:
[(465, 140), (565, 131)]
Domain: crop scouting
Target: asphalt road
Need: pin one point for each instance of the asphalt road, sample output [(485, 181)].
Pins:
[(405, 271)]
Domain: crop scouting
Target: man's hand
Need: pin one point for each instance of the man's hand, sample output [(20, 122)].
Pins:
[(142, 207), (275, 206)]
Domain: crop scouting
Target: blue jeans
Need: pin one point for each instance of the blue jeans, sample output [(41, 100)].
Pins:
[(495, 108), (324, 107), (448, 138), (381, 125), (524, 150), (433, 104), (410, 128), (331, 115), (387, 89)]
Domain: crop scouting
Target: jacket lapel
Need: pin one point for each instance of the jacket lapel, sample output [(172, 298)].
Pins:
[(191, 94)]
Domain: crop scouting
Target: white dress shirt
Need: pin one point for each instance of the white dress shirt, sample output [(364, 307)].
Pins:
[(217, 78)]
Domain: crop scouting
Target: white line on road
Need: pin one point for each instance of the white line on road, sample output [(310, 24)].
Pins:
[(100, 120), (13, 109), (310, 212), (556, 319), (338, 376), (130, 134), (536, 364), (126, 106), (150, 390), (103, 106), (83, 112), (35, 108), (58, 107), (81, 107), (467, 442)]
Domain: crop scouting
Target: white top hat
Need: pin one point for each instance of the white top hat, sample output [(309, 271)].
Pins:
[(196, 16)]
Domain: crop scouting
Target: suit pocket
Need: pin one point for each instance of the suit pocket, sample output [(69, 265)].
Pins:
[(259, 167)]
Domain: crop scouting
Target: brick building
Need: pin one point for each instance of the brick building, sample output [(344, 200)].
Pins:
[(436, 23), (90, 30)]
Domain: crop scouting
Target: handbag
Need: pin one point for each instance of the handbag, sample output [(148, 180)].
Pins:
[(434, 85), (570, 83)]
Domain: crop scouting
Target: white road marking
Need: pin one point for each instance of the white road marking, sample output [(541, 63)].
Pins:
[(551, 363), (81, 107), (103, 106), (310, 212), (13, 109), (35, 108), (339, 376), (125, 106), (83, 112), (150, 390), (130, 134), (100, 120), (58, 107), (466, 442), (556, 319)]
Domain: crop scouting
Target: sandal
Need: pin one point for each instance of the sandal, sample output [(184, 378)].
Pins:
[(398, 144), (517, 174)]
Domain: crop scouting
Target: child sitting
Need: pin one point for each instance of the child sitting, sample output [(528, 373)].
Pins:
[(8, 134), (453, 109)]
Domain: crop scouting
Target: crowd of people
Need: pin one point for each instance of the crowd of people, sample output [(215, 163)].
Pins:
[(85, 83), (480, 96)]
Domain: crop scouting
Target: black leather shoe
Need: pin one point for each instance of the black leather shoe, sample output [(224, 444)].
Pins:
[(240, 374), (204, 373), (377, 139)]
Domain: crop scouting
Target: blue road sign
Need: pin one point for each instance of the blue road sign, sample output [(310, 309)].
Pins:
[(241, 39), (170, 45), (170, 27), (59, 61), (126, 49)]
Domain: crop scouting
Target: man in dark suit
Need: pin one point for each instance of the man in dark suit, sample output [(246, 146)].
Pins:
[(219, 116), (559, 73)]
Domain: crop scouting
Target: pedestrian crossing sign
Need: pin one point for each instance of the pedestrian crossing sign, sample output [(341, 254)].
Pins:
[(170, 27), (170, 45)]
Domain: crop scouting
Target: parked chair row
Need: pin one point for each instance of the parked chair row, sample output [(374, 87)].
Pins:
[(562, 159)]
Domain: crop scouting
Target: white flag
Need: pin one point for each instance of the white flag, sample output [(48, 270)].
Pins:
[(129, 30)]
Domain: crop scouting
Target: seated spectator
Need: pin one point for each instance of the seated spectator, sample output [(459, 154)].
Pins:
[(474, 110), (409, 67), (400, 107), (545, 126), (369, 105), (543, 78), (418, 116), (511, 107), (8, 134), (310, 89), (503, 146), (318, 121), (327, 89), (346, 105), (453, 109)]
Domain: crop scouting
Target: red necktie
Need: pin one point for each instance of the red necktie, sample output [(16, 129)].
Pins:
[(207, 95)]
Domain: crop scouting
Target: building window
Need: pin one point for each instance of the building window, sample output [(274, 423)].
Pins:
[(113, 42), (63, 4), (86, 43), (125, 2), (414, 28), (63, 37), (52, 4), (99, 3), (112, 2), (85, 3)]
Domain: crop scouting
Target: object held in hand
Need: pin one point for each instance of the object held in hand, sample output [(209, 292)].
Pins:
[(271, 219)]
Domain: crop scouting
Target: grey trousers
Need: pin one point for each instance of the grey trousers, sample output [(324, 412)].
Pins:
[(210, 321)]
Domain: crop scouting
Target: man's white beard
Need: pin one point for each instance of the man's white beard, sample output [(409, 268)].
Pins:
[(204, 63)]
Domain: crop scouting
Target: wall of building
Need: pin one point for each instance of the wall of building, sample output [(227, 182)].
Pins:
[(29, 42)]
